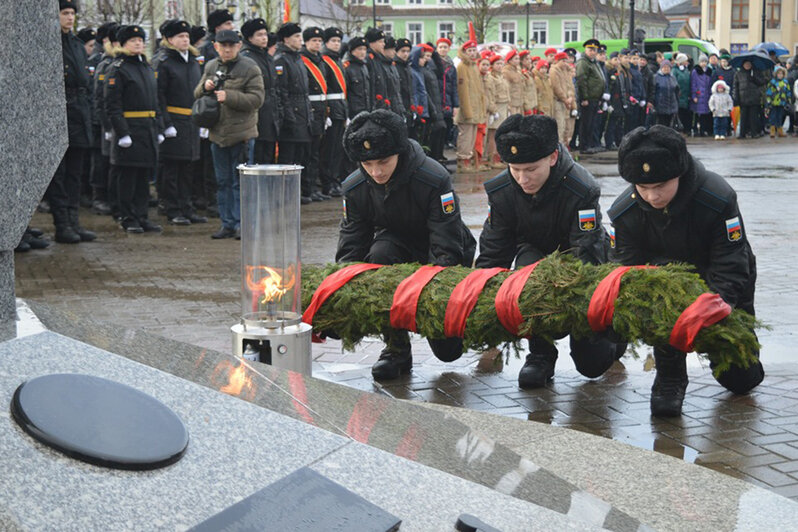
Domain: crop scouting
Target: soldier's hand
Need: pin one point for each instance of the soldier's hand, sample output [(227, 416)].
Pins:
[(221, 96), (108, 136), (125, 142), (209, 85), (585, 103), (161, 138), (170, 132)]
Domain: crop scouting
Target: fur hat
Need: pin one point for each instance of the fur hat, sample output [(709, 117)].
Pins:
[(252, 26), (176, 27), (375, 135), (288, 29), (390, 43), (374, 35), (356, 42), (67, 4), (403, 43), (720, 83), (313, 32), (331, 32), (126, 33), (217, 18), (196, 34), (105, 30), (87, 34), (681, 58), (653, 155), (526, 139)]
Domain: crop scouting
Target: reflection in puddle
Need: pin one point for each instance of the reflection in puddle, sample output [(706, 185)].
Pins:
[(664, 445)]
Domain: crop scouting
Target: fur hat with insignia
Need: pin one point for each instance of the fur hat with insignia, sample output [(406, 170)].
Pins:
[(217, 18), (403, 43), (250, 27), (106, 30), (331, 32), (87, 34), (526, 139), (374, 35), (312, 32), (653, 156), (390, 43), (196, 34), (126, 33), (375, 135), (356, 42), (67, 4), (288, 29), (176, 27)]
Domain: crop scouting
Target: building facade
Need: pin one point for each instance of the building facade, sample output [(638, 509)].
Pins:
[(737, 24)]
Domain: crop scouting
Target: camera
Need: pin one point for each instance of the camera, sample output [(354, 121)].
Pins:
[(219, 78)]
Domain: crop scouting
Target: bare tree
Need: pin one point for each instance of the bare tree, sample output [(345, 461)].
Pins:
[(609, 17), (480, 13), (353, 23), (124, 11)]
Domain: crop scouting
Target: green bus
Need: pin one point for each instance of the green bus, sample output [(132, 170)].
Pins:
[(690, 47)]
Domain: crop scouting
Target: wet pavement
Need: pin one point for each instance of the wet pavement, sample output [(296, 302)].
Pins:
[(185, 286)]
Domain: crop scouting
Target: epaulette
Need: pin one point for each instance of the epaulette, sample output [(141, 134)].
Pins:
[(714, 194), (431, 173), (118, 62), (500, 181), (354, 179), (622, 203), (576, 185)]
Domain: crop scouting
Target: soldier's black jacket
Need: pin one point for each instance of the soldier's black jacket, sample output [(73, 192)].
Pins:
[(177, 78), (270, 113), (405, 82), (417, 206), (318, 108), (358, 86), (292, 87), (99, 114), (702, 226), (77, 84), (564, 215), (207, 51), (337, 108), (384, 83)]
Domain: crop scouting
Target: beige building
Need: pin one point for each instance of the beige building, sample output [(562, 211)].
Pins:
[(737, 24)]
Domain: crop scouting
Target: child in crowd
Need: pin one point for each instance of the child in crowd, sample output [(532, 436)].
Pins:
[(721, 105), (778, 97)]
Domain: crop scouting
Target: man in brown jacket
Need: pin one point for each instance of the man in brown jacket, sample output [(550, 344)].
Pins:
[(237, 84), (472, 105), (561, 76)]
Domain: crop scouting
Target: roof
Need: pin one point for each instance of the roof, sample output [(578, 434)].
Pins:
[(683, 8)]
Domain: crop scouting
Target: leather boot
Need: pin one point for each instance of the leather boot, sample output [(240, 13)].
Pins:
[(496, 162), (395, 359), (772, 132), (464, 166), (539, 365), (780, 132), (667, 393), (84, 234), (64, 234)]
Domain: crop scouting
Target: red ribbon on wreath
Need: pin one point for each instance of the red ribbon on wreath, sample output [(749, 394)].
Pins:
[(602, 302), (464, 298), (405, 298), (507, 309), (708, 309)]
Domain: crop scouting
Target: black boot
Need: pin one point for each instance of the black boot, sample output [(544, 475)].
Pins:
[(84, 234), (64, 234), (539, 365), (395, 359), (667, 393)]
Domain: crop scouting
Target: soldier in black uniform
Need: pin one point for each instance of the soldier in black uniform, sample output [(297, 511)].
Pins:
[(218, 20), (399, 206), (544, 202), (402, 65), (292, 87), (178, 73), (256, 46), (203, 188), (384, 79), (394, 83), (63, 193), (317, 94), (331, 167), (358, 84), (110, 47), (675, 210), (131, 103)]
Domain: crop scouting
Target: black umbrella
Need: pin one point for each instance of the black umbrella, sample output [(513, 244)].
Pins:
[(759, 59)]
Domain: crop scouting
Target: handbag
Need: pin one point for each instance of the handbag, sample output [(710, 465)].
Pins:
[(205, 111)]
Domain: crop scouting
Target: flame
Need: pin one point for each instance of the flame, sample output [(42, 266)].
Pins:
[(270, 284), (239, 381)]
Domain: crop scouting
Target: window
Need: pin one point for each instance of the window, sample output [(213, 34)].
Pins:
[(507, 32), (414, 2), (448, 2), (773, 13), (387, 29), (445, 29), (415, 32), (357, 2), (539, 32), (739, 15), (713, 7), (570, 30), (382, 2)]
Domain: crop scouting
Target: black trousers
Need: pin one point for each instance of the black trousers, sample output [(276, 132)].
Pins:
[(665, 120), (436, 139), (295, 153), (203, 184), (176, 187), (599, 125), (331, 169), (587, 120), (749, 120), (133, 191), (705, 123), (64, 189), (686, 118), (615, 125), (263, 152), (310, 174)]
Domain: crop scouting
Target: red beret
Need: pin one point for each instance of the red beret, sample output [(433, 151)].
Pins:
[(523, 53), (510, 55), (495, 58), (535, 58), (468, 44), (560, 55), (541, 64), (550, 51), (426, 47), (443, 39)]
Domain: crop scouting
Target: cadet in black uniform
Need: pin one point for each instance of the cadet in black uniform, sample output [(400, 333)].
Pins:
[(131, 103), (544, 202), (218, 20), (317, 94), (358, 84), (394, 80), (178, 73), (676, 210), (402, 65), (256, 46), (63, 193), (399, 206), (331, 167)]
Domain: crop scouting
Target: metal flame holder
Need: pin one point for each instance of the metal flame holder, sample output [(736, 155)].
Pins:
[(270, 329)]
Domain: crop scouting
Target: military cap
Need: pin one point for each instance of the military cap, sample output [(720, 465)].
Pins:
[(105, 30), (126, 33), (288, 29), (331, 32), (526, 139), (374, 35), (403, 43), (87, 34), (624, 51), (356, 42), (197, 33), (67, 4), (375, 135), (602, 48), (570, 51), (228, 36), (313, 32), (652, 155), (250, 27), (591, 43), (176, 27), (614, 54), (390, 43), (217, 18)]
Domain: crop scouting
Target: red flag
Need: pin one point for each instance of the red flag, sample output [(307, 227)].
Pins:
[(472, 34), (287, 13)]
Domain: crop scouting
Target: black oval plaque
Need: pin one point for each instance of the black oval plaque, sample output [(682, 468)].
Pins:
[(100, 421)]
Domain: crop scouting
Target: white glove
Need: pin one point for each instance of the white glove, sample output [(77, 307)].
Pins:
[(347, 123), (605, 96), (161, 138), (125, 142), (328, 122), (495, 117), (642, 103), (610, 108), (604, 106), (108, 135), (204, 133), (170, 132)]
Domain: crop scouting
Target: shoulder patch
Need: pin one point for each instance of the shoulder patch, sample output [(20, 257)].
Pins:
[(734, 229), (622, 204), (498, 182), (354, 179), (711, 199), (575, 185)]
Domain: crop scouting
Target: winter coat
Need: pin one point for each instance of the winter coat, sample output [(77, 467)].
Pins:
[(792, 73), (434, 101), (665, 94), (648, 83), (77, 83), (417, 207), (778, 93), (238, 116), (207, 51), (470, 91), (177, 78), (292, 88), (544, 93), (385, 83), (683, 76), (551, 220), (747, 88), (639, 89), (358, 86), (419, 87), (336, 85), (515, 80), (561, 77), (725, 74), (270, 113), (318, 115), (100, 74), (405, 82), (702, 226), (616, 87), (720, 103), (448, 84), (500, 96), (589, 80), (131, 102), (530, 92), (701, 89)]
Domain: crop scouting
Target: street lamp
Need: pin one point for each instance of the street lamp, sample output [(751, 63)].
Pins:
[(374, 13), (538, 3), (631, 24)]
